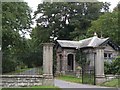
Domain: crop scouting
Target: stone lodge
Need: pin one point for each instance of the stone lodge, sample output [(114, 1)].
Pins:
[(100, 49)]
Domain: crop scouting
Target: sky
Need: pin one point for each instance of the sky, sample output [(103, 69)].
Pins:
[(33, 3)]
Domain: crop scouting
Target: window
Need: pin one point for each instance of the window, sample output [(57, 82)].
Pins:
[(109, 55), (60, 56), (105, 55)]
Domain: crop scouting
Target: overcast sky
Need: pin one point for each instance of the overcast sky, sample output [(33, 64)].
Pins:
[(33, 3)]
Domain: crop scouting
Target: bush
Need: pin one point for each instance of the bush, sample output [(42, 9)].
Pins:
[(116, 65), (112, 67), (107, 67), (8, 66)]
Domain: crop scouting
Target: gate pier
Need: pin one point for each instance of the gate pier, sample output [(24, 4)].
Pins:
[(48, 64), (99, 65)]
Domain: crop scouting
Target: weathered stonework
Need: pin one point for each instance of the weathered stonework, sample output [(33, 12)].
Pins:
[(99, 65), (95, 53), (62, 60), (48, 64), (48, 80), (21, 80)]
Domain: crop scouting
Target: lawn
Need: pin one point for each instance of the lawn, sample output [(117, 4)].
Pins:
[(35, 88), (111, 83), (70, 78), (17, 71), (88, 79)]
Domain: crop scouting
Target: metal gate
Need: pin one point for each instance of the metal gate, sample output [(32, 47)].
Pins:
[(88, 71)]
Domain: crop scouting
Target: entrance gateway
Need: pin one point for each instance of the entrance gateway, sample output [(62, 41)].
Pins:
[(92, 56), (88, 68)]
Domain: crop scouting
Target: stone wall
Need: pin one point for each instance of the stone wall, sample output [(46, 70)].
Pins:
[(110, 77), (21, 80)]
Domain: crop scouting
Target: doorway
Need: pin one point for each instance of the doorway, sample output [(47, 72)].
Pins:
[(70, 62)]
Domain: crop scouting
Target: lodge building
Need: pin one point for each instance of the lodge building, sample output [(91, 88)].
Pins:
[(95, 48)]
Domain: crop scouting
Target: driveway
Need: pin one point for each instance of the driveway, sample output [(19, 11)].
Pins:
[(65, 84), (32, 71)]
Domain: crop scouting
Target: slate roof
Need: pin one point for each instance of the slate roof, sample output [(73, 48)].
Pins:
[(89, 42), (70, 44)]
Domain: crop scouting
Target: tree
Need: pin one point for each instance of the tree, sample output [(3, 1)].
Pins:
[(68, 20), (106, 26), (14, 20), (65, 20)]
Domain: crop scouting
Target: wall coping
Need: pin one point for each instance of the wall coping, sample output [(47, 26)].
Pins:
[(23, 76)]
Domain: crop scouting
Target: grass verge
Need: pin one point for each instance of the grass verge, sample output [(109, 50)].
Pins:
[(34, 88), (70, 78), (111, 83), (17, 71)]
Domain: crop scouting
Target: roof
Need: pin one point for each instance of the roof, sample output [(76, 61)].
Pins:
[(89, 42), (67, 43)]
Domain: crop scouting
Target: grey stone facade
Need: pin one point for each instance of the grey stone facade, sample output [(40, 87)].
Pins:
[(95, 49), (63, 63)]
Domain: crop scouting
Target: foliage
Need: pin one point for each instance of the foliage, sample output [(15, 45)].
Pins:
[(112, 67), (116, 65), (107, 25), (8, 65), (14, 20), (68, 20), (107, 67)]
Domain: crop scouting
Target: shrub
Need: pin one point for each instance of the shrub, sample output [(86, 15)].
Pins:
[(112, 67), (116, 65), (8, 66), (107, 67)]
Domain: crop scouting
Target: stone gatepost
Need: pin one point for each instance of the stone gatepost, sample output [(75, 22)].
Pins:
[(58, 64), (99, 65), (74, 64), (64, 63), (48, 64)]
